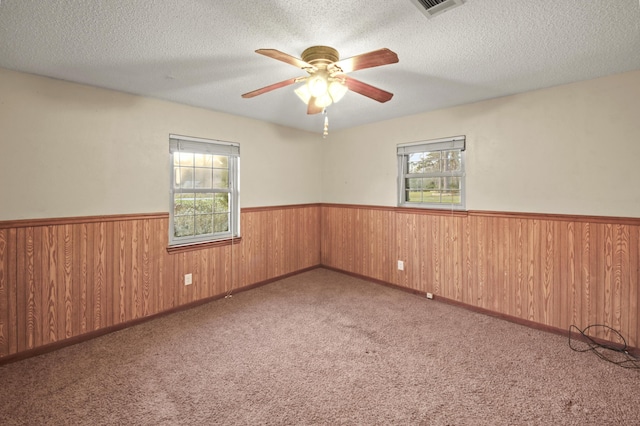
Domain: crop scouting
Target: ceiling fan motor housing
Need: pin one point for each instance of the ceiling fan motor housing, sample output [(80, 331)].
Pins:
[(320, 55)]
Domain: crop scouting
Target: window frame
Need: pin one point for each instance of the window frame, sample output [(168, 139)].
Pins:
[(187, 144), (433, 145)]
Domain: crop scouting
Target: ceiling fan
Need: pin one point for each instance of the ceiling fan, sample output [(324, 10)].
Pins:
[(328, 81)]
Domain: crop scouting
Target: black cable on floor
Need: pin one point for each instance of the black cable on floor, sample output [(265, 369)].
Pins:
[(617, 354)]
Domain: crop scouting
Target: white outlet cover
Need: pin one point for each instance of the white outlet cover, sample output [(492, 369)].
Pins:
[(400, 265), (188, 279)]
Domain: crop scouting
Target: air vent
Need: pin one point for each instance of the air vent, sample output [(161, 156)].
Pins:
[(431, 8)]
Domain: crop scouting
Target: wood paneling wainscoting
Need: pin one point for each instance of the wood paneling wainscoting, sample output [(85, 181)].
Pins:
[(551, 270), (63, 278)]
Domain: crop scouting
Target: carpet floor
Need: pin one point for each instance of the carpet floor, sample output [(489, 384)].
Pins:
[(320, 348)]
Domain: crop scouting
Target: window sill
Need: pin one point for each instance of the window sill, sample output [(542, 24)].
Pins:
[(204, 245), (432, 210), (449, 207)]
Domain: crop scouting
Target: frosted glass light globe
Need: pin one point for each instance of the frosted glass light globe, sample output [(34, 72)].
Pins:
[(318, 84), (337, 90)]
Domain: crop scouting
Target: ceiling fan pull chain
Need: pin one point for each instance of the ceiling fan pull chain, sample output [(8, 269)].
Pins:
[(325, 133)]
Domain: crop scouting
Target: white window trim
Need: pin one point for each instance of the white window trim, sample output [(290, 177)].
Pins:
[(443, 144), (179, 143)]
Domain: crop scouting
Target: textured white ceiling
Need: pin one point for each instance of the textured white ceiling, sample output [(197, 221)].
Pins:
[(201, 52)]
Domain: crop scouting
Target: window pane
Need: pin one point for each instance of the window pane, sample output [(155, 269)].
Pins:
[(451, 197), (220, 178), (452, 161), (204, 203), (221, 222), (451, 183), (433, 187), (204, 160), (424, 162), (183, 177), (183, 226), (431, 162), (204, 224), (414, 183), (184, 159), (416, 157), (184, 204), (447, 197), (414, 163), (221, 203), (202, 178), (431, 197), (432, 183), (220, 162), (413, 196)]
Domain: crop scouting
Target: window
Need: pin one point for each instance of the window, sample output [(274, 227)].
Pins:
[(431, 173), (204, 190)]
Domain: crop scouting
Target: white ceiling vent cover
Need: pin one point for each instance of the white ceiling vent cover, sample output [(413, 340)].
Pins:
[(431, 8)]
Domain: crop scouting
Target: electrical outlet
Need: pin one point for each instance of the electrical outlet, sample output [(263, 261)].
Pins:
[(188, 279), (400, 265), (429, 295)]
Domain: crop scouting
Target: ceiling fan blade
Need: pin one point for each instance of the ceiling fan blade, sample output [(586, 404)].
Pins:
[(270, 88), (367, 90), (284, 57), (367, 60), (312, 108)]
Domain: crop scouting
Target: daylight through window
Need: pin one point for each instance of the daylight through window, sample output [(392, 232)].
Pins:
[(204, 190), (431, 173)]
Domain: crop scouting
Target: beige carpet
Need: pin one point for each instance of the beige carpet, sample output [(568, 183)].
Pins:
[(321, 348)]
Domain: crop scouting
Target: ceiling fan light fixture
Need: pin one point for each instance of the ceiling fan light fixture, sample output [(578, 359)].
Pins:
[(303, 93), (337, 90), (318, 84), (324, 101)]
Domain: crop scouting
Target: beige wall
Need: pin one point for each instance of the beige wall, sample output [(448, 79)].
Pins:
[(571, 149), (75, 150)]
